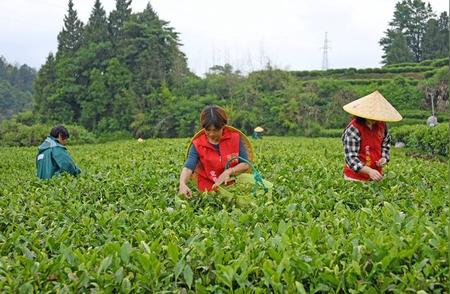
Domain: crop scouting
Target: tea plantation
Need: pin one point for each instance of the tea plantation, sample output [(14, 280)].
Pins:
[(120, 226)]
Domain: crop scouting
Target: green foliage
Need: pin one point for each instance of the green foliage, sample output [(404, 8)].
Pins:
[(113, 136), (104, 71), (437, 63), (348, 73), (126, 73), (402, 95), (331, 133), (415, 34), (14, 133), (70, 38), (117, 18), (12, 100), (395, 47), (96, 30), (436, 88), (435, 40), (15, 88), (433, 140), (19, 76), (120, 227)]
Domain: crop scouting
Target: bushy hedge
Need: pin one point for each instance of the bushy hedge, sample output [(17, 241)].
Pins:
[(433, 62), (433, 140), (13, 133), (378, 81), (352, 71), (423, 115)]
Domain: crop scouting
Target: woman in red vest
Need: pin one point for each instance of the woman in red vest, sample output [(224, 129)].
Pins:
[(366, 139), (211, 149)]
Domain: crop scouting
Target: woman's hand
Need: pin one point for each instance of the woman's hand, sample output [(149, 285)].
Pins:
[(184, 190), (223, 178), (375, 175), (372, 173), (184, 177), (381, 162)]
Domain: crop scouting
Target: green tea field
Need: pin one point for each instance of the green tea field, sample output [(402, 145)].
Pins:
[(120, 227)]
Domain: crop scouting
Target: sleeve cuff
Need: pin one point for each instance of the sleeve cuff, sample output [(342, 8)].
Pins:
[(357, 167)]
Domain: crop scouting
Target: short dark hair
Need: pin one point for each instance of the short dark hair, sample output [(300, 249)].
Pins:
[(213, 115), (59, 130), (360, 120)]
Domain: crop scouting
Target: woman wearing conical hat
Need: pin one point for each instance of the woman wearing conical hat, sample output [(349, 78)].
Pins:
[(211, 149), (366, 139)]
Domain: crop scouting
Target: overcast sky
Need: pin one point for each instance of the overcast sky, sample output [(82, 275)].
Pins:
[(244, 33)]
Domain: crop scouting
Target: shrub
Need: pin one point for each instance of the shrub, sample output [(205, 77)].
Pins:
[(331, 133), (13, 133), (433, 140), (114, 136)]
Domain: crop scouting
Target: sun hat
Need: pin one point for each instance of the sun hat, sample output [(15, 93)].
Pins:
[(373, 106), (259, 129)]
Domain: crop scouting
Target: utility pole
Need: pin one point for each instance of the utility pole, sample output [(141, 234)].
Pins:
[(325, 52), (432, 120)]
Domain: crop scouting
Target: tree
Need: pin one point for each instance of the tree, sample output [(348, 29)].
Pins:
[(435, 40), (431, 40), (121, 107), (71, 37), (117, 18), (97, 26), (395, 48), (410, 20), (44, 87), (149, 49), (443, 35), (222, 80)]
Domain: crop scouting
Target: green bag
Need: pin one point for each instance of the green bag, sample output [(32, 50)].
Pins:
[(246, 187)]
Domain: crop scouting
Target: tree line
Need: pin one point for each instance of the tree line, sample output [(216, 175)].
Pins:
[(104, 70), (16, 83), (125, 72)]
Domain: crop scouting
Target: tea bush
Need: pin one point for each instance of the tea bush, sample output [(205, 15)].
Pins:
[(120, 226)]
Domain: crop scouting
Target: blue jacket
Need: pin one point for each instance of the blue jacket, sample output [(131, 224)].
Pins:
[(53, 159)]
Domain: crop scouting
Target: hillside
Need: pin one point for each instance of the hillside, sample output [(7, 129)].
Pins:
[(15, 88)]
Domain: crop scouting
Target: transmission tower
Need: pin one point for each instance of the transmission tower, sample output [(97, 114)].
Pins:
[(325, 53)]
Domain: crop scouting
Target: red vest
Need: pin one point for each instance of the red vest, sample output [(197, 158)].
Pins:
[(369, 150), (211, 163)]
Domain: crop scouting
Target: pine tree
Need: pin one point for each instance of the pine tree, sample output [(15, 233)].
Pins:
[(44, 87), (118, 81), (97, 26), (117, 18), (70, 38), (149, 49)]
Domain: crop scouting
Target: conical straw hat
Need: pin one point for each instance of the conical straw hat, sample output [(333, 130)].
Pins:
[(373, 106), (259, 129)]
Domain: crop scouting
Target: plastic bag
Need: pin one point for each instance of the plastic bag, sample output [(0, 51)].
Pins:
[(245, 190)]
